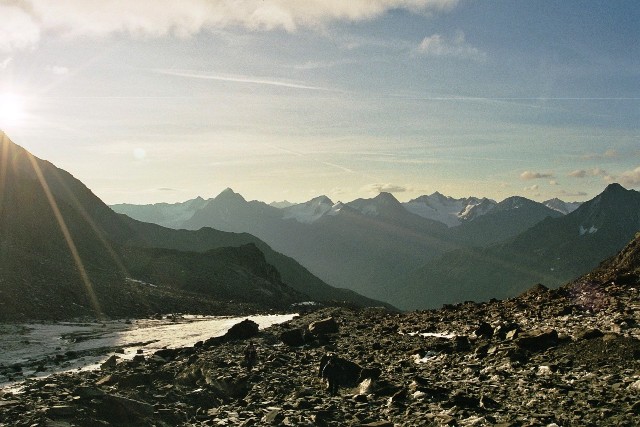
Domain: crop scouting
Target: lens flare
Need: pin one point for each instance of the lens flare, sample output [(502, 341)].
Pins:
[(12, 109)]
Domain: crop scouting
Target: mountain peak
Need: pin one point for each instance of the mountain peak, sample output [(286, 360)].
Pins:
[(439, 195), (229, 195), (386, 198), (514, 202), (614, 188), (321, 200)]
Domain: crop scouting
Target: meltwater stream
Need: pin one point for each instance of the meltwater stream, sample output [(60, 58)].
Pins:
[(37, 350)]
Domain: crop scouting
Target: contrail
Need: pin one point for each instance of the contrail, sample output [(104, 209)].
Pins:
[(241, 79)]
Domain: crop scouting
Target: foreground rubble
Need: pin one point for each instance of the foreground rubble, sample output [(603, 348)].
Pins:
[(541, 359)]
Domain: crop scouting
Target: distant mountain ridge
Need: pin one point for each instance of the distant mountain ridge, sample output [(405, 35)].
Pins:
[(438, 207), (368, 245)]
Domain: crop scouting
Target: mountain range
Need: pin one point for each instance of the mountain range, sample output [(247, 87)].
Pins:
[(64, 253), (433, 249)]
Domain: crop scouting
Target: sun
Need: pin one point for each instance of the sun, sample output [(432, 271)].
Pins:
[(12, 109)]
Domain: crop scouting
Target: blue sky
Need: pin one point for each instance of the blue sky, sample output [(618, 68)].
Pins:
[(149, 101)]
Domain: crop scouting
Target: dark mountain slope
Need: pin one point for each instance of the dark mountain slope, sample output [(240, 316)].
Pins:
[(623, 268), (204, 239), (64, 253), (552, 252)]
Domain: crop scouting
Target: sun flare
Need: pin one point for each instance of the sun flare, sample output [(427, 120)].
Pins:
[(12, 109)]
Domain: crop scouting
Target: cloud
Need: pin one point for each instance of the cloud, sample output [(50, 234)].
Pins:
[(438, 45), (563, 193), (583, 173), (529, 175), (608, 154), (630, 178), (19, 30), (166, 189), (553, 182), (532, 188), (25, 22), (5, 63), (385, 188), (58, 70)]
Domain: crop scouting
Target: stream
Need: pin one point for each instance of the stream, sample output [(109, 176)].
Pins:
[(31, 350)]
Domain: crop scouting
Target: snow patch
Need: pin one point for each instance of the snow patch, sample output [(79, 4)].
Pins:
[(335, 209), (589, 230), (140, 282), (429, 355), (451, 212)]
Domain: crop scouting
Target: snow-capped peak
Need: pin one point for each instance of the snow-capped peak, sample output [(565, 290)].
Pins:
[(448, 210), (310, 211)]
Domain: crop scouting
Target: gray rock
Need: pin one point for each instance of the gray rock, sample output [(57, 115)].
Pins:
[(324, 326)]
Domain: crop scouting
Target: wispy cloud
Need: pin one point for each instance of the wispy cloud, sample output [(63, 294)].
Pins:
[(25, 22), (240, 79), (342, 168), (314, 65), (583, 173), (529, 175), (385, 188), (457, 46), (608, 154), (564, 193)]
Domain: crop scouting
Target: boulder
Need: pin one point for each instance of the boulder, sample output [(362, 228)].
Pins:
[(243, 330), (348, 371), (324, 326), (484, 330), (538, 340), (293, 337), (109, 363), (587, 334)]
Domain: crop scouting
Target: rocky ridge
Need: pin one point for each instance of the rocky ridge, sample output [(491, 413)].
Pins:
[(565, 357)]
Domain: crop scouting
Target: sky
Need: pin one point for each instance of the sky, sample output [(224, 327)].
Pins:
[(161, 101)]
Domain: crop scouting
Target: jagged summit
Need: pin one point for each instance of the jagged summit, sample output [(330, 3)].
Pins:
[(321, 200), (384, 204), (387, 199), (228, 195), (309, 212), (614, 202)]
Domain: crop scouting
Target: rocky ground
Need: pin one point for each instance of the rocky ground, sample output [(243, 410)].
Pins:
[(566, 357), (545, 358)]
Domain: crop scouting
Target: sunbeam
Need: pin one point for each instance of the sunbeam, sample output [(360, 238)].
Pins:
[(100, 235), (93, 299)]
